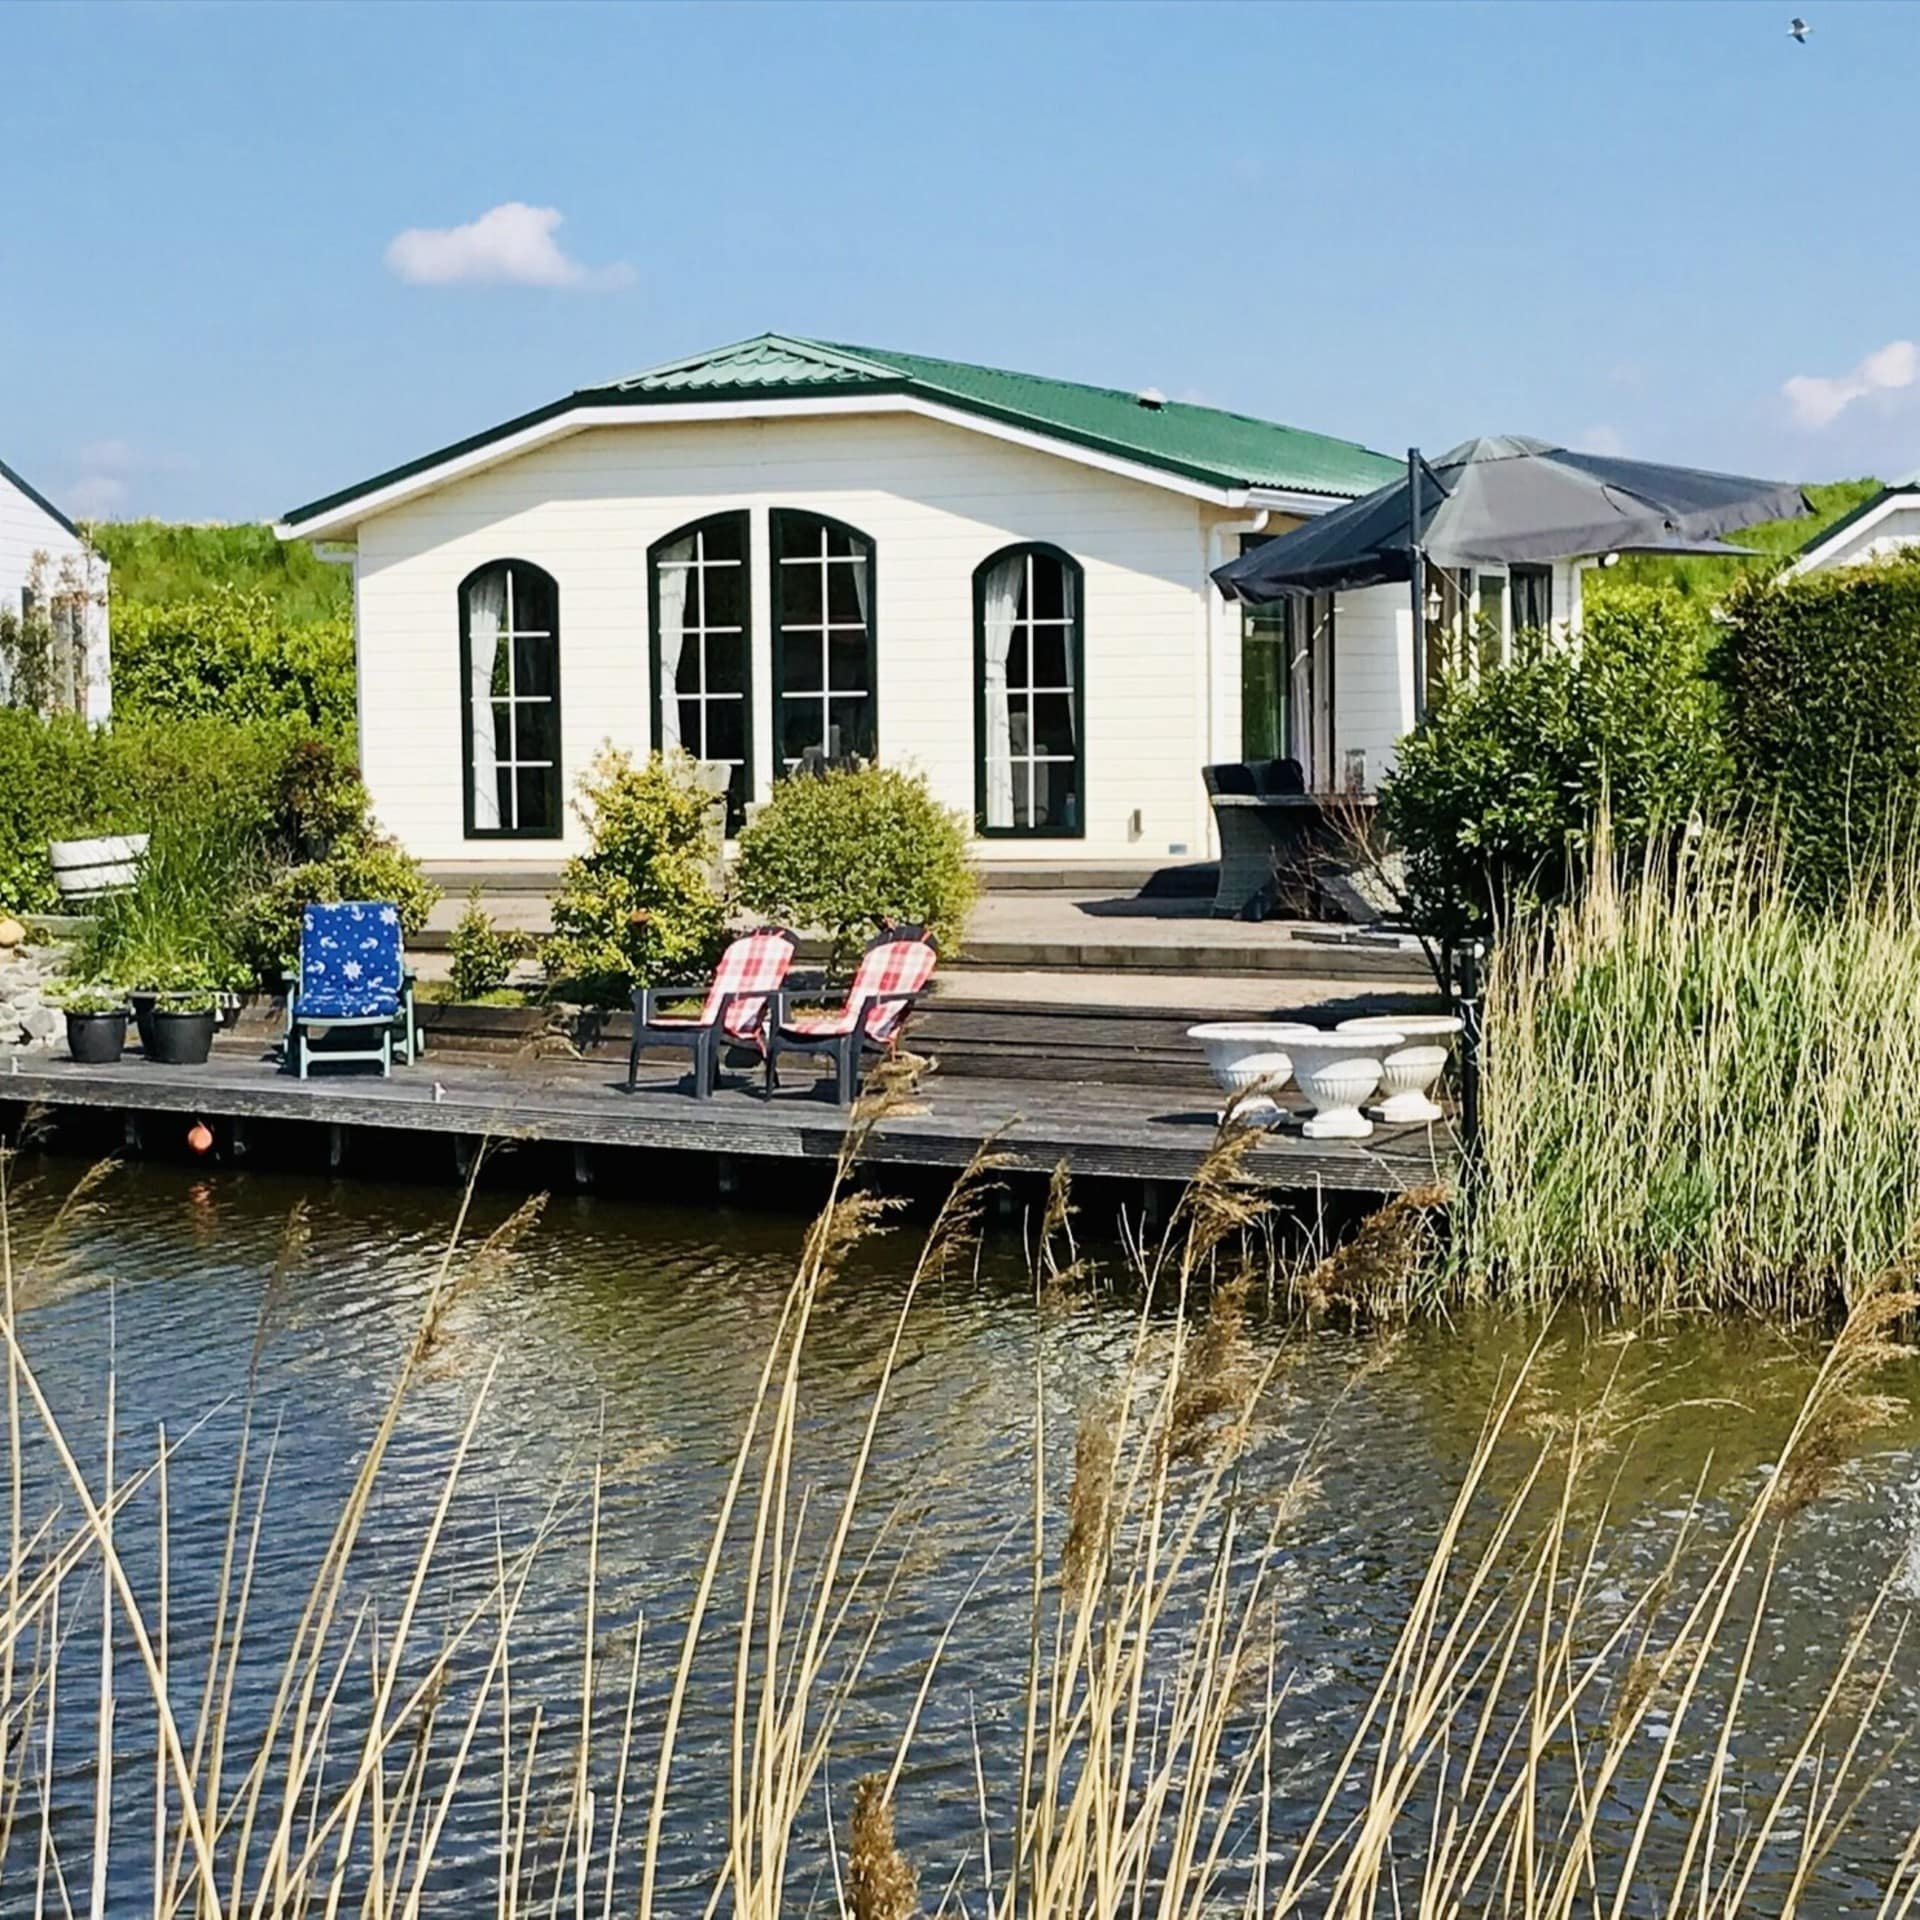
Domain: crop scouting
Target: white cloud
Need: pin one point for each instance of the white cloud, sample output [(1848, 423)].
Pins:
[(512, 244), (1602, 439), (1818, 400), (93, 496)]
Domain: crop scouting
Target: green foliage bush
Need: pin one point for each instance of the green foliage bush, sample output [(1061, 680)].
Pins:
[(156, 562), (852, 849), (247, 823), (363, 866), (233, 653), (1821, 679), (482, 954), (1495, 797), (641, 906)]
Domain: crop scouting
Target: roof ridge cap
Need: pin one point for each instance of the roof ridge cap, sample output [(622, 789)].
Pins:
[(818, 350)]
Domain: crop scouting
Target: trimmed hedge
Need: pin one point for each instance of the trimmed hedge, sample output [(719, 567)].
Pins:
[(1821, 684), (234, 654)]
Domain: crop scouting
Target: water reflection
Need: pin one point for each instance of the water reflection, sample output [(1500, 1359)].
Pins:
[(635, 1337)]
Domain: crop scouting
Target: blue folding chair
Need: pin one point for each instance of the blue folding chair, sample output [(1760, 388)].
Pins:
[(353, 977)]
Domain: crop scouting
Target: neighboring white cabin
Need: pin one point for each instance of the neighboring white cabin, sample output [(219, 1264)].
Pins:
[(46, 563), (1878, 527), (1027, 619)]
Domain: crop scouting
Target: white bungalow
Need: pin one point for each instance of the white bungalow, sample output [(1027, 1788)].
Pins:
[(47, 564), (1878, 526), (785, 548)]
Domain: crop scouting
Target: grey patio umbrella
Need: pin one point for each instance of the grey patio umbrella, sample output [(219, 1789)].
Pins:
[(1506, 500)]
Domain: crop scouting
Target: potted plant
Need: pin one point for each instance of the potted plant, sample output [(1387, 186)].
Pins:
[(181, 1025), (96, 1022)]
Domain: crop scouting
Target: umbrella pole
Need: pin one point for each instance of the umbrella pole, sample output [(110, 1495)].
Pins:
[(1417, 577)]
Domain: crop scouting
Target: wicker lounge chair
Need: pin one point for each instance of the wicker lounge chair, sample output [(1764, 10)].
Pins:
[(733, 1007)]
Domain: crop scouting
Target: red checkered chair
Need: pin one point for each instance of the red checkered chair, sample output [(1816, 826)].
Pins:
[(892, 975), (734, 1010)]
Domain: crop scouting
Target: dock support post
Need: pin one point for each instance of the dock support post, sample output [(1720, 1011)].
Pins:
[(582, 1166), (463, 1156), (1149, 1206), (336, 1145), (238, 1142), (725, 1175), (131, 1134)]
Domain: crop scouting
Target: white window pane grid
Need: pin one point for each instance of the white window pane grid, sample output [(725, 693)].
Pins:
[(695, 631), (509, 765), (825, 627), (1021, 695)]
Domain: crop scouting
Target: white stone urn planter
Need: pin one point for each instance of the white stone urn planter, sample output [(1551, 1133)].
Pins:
[(1338, 1072), (1410, 1070), (1243, 1054)]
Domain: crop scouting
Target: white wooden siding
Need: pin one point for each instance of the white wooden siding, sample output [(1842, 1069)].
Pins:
[(1886, 533), (1373, 681), (29, 532), (937, 500)]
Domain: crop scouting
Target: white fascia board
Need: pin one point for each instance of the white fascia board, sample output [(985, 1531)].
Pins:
[(339, 522), (1284, 500), (1852, 531)]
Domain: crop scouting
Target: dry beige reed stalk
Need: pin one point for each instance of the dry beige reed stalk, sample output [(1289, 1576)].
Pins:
[(1216, 1372), (1375, 1274), (881, 1882), (1090, 1497)]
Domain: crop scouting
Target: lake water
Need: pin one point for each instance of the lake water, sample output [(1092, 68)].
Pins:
[(633, 1335)]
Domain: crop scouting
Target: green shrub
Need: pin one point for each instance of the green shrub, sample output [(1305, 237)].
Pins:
[(156, 562), (641, 906), (363, 866), (176, 927), (1821, 677), (235, 654), (482, 953), (1494, 797), (852, 849)]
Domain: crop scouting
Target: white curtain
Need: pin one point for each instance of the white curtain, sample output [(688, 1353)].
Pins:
[(1066, 653), (673, 628), (1002, 595), (1300, 678), (866, 620), (486, 608)]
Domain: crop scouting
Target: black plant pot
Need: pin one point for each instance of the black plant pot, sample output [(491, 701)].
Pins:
[(180, 1039), (96, 1039)]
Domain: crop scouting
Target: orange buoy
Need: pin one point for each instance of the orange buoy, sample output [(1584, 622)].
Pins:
[(200, 1137)]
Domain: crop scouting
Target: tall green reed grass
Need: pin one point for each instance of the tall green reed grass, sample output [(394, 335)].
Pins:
[(1700, 1091), (1540, 1740)]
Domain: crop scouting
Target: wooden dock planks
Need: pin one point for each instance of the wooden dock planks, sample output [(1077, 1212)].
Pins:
[(1103, 1131)]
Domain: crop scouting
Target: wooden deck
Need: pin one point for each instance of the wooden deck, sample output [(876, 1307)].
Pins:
[(1126, 1132)]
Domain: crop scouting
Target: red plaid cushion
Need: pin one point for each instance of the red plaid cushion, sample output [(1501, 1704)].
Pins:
[(896, 966), (754, 966)]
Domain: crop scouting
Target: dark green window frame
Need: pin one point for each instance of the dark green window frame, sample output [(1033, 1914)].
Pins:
[(1077, 653), (740, 790), (785, 525), (553, 791)]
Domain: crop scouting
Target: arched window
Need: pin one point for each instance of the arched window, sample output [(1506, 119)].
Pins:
[(824, 675), (702, 682), (510, 701), (1029, 695)]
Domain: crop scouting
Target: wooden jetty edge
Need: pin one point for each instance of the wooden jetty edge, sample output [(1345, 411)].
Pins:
[(1121, 1132)]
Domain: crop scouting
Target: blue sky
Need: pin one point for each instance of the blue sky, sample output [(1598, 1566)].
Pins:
[(1665, 228)]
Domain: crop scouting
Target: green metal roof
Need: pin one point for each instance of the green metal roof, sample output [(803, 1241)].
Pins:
[(1227, 450)]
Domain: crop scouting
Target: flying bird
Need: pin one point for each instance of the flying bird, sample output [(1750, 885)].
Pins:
[(1797, 29)]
